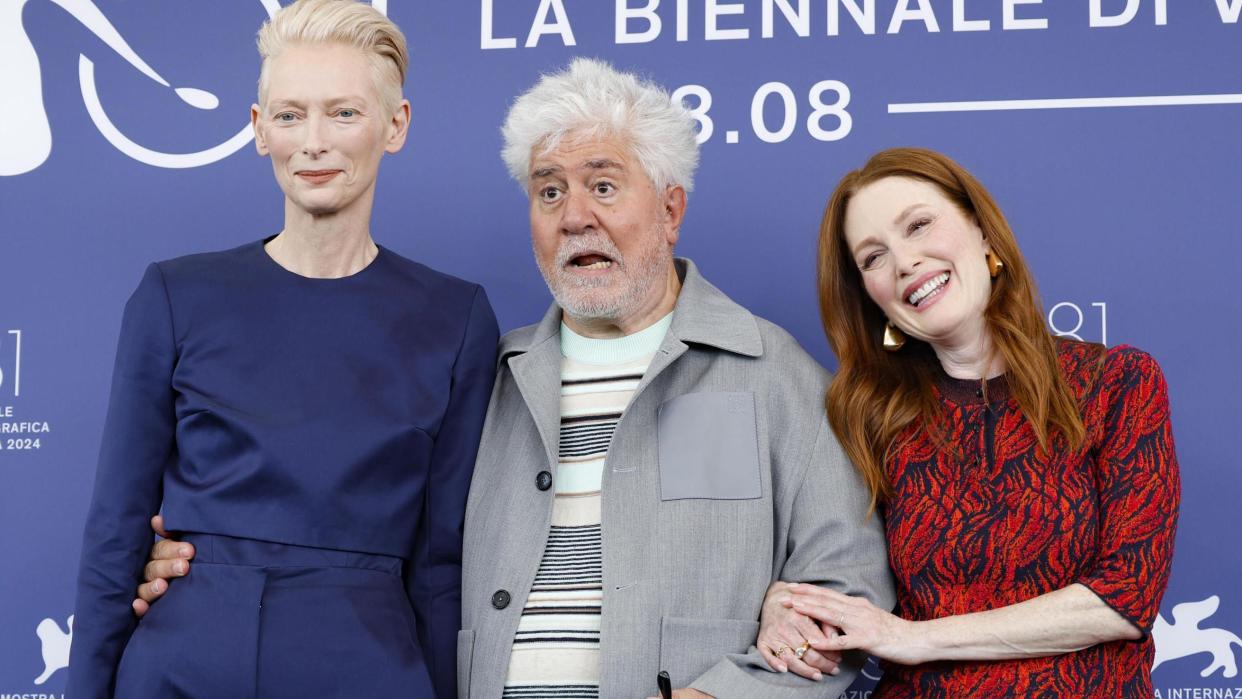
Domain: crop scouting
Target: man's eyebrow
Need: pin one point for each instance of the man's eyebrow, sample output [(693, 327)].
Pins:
[(547, 171), (603, 164), (597, 164)]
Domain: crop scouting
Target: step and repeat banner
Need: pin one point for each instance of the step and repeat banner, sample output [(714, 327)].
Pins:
[(1107, 129)]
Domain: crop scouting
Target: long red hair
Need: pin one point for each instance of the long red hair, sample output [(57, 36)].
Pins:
[(877, 394)]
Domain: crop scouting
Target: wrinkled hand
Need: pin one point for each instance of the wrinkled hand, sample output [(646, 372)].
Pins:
[(688, 693), (862, 625), (784, 629), (169, 559)]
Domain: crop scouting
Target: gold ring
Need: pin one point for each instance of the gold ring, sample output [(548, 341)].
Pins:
[(780, 650), (802, 649)]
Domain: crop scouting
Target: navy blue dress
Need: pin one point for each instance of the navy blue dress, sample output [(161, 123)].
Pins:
[(315, 439)]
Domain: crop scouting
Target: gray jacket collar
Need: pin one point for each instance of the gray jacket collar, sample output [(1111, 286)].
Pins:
[(703, 315)]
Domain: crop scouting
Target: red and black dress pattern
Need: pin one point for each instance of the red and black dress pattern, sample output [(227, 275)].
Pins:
[(985, 519)]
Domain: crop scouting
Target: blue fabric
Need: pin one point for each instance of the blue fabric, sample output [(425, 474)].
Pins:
[(259, 619), (255, 403)]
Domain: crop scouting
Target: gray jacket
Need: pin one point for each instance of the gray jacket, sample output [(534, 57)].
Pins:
[(723, 476)]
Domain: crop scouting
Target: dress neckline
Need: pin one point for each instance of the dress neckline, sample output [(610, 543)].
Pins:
[(269, 261), (971, 391)]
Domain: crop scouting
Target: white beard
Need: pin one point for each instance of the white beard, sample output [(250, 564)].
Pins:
[(588, 299)]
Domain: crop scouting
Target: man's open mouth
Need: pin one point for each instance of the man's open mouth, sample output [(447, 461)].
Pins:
[(590, 260)]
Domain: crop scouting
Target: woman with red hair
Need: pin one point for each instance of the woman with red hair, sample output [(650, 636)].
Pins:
[(1028, 483)]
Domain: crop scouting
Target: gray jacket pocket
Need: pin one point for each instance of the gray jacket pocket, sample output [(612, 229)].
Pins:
[(465, 653), (691, 647), (708, 447)]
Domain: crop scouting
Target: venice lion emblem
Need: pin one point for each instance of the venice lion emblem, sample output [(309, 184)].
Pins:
[(1184, 637), (55, 647)]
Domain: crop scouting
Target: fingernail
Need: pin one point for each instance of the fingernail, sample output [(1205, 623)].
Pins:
[(179, 566), (184, 551), (817, 677), (157, 586), (835, 671)]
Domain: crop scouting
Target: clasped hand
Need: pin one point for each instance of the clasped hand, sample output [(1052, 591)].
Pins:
[(169, 559), (825, 623)]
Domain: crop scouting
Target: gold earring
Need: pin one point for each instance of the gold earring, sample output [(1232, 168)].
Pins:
[(994, 263), (894, 338)]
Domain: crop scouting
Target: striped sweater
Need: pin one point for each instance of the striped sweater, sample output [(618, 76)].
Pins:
[(556, 648)]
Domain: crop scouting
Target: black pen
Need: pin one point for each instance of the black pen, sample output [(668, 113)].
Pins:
[(665, 683)]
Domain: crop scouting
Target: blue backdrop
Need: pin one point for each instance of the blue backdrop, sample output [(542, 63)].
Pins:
[(1126, 208)]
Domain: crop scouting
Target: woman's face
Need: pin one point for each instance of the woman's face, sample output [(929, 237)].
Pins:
[(922, 260), (325, 127)]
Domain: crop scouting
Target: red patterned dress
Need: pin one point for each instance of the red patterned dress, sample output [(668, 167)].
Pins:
[(991, 520)]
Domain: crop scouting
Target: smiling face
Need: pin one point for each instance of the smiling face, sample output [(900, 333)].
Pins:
[(602, 235), (325, 127), (921, 259)]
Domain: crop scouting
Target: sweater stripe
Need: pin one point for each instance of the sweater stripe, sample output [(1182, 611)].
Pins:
[(556, 648)]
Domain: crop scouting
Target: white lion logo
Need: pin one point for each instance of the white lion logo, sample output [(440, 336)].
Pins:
[(55, 647), (1184, 637)]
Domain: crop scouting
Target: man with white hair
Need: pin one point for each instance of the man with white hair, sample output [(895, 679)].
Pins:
[(654, 456)]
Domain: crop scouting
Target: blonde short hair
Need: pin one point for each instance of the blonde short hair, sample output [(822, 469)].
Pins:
[(343, 22)]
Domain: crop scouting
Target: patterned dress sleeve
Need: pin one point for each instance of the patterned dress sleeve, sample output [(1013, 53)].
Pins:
[(1139, 488)]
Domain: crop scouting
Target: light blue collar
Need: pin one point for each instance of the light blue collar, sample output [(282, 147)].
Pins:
[(616, 350)]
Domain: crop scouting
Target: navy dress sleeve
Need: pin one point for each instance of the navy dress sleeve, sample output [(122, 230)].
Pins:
[(433, 580), (138, 443)]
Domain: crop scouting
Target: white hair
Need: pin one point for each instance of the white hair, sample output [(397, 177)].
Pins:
[(591, 99)]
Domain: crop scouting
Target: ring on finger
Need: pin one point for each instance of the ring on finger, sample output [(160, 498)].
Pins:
[(802, 649), (778, 651)]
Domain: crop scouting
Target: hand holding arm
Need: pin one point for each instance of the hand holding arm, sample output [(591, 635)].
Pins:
[(783, 629), (1061, 621), (169, 559)]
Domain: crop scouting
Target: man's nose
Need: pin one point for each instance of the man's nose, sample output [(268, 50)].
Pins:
[(578, 214)]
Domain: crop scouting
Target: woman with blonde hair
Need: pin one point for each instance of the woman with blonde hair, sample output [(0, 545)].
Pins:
[(1028, 483), (305, 409)]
